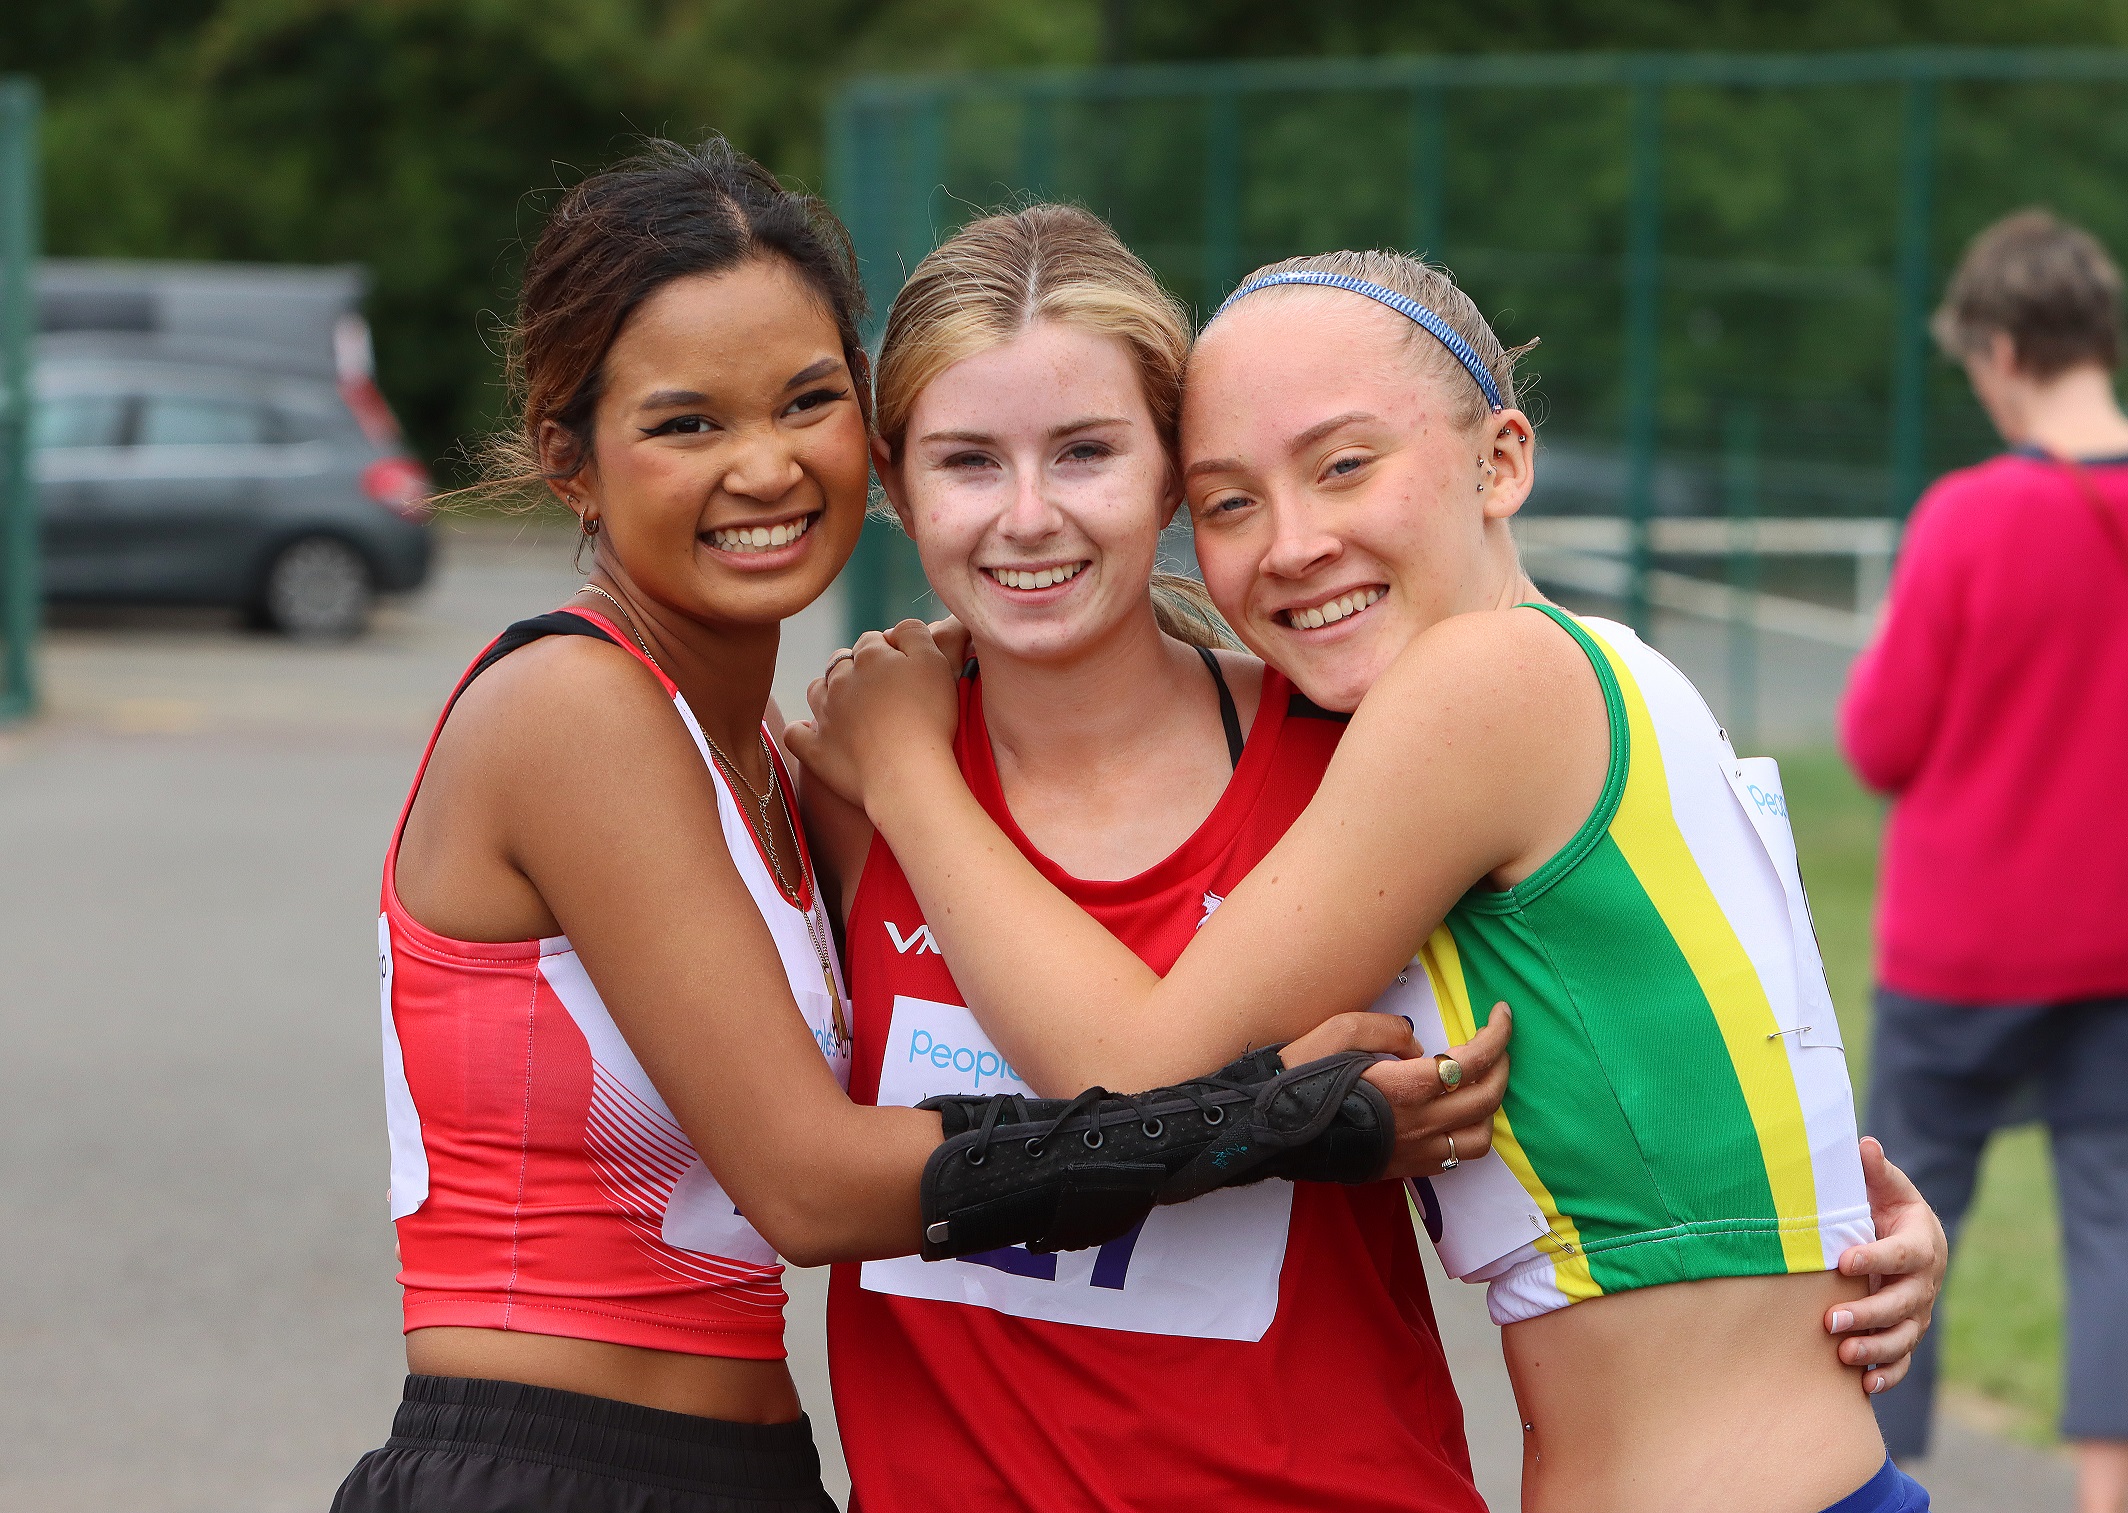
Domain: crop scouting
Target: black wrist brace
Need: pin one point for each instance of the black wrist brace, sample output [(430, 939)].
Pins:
[(1057, 1174)]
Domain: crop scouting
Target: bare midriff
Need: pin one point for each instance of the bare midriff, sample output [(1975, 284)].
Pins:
[(1725, 1394), (708, 1386)]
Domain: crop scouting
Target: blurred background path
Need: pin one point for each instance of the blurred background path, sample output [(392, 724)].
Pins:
[(200, 1316)]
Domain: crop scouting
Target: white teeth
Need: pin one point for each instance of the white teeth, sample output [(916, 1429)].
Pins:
[(1013, 577), (760, 538), (1334, 611)]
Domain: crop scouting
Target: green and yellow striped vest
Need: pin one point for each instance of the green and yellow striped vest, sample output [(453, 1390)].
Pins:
[(1678, 1105)]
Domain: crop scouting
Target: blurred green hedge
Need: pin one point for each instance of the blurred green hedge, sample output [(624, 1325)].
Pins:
[(424, 137)]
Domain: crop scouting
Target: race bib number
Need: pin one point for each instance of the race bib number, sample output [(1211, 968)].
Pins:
[(1479, 1212), (1207, 1269), (1756, 782), (402, 1121)]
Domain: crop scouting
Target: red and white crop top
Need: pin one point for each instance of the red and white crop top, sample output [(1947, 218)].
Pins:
[(539, 1181)]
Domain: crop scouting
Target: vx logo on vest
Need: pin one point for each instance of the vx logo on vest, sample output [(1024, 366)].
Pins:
[(919, 939)]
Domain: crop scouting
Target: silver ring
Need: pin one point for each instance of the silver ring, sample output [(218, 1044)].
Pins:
[(1451, 1163), (837, 660)]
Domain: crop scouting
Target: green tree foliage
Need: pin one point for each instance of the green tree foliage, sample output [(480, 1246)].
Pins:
[(423, 138)]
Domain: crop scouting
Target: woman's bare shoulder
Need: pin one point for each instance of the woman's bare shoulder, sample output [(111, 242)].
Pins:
[(568, 707), (1517, 658)]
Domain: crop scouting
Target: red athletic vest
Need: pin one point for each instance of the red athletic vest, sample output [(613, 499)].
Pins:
[(1272, 1347), (539, 1181)]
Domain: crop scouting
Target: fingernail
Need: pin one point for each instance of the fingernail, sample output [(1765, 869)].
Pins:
[(1876, 1386), (1842, 1321)]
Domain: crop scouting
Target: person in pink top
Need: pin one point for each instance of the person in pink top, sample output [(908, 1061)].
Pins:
[(1993, 708)]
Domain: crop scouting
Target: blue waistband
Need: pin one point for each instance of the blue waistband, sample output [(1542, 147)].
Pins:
[(1891, 1490), (1403, 304)]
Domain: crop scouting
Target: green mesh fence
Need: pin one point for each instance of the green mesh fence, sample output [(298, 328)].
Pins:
[(18, 500), (1730, 260)]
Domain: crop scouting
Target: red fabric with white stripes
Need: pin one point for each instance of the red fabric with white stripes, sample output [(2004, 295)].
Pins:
[(553, 1170)]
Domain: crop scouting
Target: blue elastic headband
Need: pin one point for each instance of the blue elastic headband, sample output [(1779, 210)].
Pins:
[(1403, 305)]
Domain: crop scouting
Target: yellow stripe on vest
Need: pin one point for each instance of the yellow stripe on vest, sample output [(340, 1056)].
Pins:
[(1570, 1265), (1646, 833)]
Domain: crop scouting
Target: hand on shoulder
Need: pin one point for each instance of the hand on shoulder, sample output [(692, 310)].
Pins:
[(883, 707)]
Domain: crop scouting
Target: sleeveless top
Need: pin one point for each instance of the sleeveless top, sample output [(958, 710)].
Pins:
[(1270, 1347), (539, 1181), (1679, 1107)]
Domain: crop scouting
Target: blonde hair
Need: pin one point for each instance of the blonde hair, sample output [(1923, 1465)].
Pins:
[(999, 275), (1435, 288)]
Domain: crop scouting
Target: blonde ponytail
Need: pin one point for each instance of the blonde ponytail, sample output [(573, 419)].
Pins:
[(1186, 612)]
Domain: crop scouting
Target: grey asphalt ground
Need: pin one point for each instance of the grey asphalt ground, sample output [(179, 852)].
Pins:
[(198, 1314)]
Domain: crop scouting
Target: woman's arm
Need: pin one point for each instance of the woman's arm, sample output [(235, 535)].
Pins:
[(1455, 765), (606, 807), (1896, 689)]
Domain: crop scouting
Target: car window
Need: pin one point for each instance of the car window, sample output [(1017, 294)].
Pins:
[(293, 425), (78, 420), (200, 420)]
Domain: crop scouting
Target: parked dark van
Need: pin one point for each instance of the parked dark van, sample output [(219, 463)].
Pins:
[(212, 434)]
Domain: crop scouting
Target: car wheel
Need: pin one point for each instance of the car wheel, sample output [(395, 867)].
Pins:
[(317, 588)]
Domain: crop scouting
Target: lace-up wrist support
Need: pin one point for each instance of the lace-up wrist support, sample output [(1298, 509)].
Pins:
[(1065, 1174)]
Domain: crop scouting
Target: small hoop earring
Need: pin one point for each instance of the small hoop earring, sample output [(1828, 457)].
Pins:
[(587, 526)]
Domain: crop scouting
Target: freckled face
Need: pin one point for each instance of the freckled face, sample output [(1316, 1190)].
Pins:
[(1331, 488), (730, 453), (1035, 485)]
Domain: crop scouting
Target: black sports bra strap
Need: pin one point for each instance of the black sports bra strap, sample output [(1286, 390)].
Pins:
[(557, 622), (1229, 716)]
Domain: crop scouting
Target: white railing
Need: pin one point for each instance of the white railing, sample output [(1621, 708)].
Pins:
[(1591, 553)]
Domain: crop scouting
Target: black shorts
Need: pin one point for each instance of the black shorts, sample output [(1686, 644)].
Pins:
[(466, 1446)]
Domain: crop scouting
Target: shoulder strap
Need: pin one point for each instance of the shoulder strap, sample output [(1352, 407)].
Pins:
[(558, 622), (1229, 716), (2108, 520)]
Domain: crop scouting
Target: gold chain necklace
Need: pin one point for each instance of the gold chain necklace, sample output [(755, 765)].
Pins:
[(764, 830), (730, 769)]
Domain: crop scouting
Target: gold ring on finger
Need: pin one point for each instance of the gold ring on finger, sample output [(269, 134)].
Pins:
[(1451, 1071), (1451, 1163)]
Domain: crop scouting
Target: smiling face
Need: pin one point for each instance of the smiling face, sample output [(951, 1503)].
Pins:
[(1333, 488), (729, 463), (1034, 483)]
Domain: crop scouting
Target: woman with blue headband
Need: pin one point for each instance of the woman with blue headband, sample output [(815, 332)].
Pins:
[(1526, 805)]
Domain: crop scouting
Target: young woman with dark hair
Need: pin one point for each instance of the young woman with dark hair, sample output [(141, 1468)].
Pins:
[(615, 1028)]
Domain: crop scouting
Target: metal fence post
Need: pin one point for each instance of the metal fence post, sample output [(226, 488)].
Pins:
[(1643, 344), (927, 151), (1740, 480), (1429, 158), (1038, 146), (885, 580), (1222, 194), (1917, 183), (20, 605), (858, 189)]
